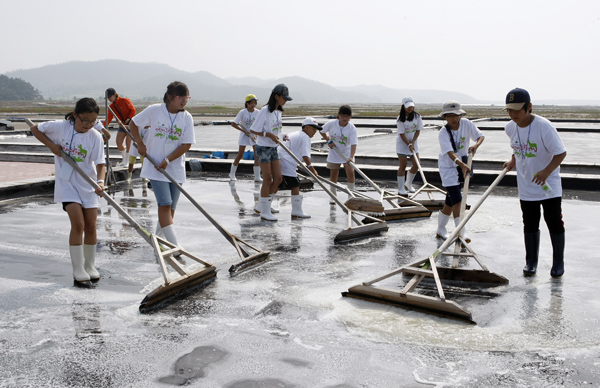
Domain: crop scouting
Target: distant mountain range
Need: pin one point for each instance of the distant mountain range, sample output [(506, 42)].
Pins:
[(149, 80)]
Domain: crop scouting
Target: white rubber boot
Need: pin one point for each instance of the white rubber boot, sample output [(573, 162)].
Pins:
[(401, 189), (89, 255), (257, 177), (129, 175), (464, 230), (273, 208), (334, 191), (125, 161), (171, 237), (81, 278), (297, 207), (159, 231), (257, 207), (409, 180), (232, 173), (442, 222), (265, 205)]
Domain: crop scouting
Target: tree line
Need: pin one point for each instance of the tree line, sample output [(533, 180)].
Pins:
[(15, 89)]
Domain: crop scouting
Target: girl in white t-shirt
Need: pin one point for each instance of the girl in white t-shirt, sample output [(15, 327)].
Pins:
[(170, 136), (454, 139), (409, 125), (342, 134), (243, 122), (267, 127), (79, 199)]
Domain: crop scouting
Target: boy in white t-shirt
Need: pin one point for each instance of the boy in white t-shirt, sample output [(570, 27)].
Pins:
[(342, 134), (538, 152), (454, 139), (299, 143)]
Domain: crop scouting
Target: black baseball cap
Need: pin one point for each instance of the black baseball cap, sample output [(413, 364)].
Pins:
[(110, 92), (517, 98), (283, 91)]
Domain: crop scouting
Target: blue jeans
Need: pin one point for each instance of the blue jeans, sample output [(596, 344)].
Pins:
[(166, 193), (266, 154)]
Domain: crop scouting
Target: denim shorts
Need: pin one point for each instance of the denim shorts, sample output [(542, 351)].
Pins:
[(166, 193), (266, 154), (453, 195)]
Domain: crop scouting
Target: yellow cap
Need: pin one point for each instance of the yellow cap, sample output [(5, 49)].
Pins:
[(251, 97)]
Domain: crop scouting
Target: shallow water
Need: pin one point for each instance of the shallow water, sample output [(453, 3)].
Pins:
[(285, 323)]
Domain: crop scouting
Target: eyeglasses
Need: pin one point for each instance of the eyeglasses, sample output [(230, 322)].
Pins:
[(87, 122), (185, 97)]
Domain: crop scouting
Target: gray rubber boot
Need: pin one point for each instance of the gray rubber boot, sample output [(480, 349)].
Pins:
[(532, 249), (558, 255)]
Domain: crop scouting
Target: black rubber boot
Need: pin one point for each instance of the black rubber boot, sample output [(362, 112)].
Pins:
[(532, 249), (558, 255)]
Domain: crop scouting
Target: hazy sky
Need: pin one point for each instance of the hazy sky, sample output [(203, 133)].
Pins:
[(482, 48)]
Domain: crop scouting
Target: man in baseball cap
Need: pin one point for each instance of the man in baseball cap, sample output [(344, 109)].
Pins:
[(517, 98), (537, 154)]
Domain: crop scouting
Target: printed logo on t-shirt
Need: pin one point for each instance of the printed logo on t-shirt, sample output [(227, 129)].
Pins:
[(276, 127), (461, 144), (343, 140), (165, 130), (410, 127), (78, 153), (528, 150)]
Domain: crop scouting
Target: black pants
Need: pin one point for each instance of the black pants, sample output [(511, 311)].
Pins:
[(552, 215)]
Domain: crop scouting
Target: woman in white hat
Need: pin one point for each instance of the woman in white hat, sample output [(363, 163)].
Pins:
[(242, 122), (454, 139), (409, 125)]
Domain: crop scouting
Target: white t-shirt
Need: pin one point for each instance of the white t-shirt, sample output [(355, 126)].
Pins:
[(166, 133), (245, 119), (534, 147), (409, 129), (299, 144), (267, 122), (343, 138), (466, 132), (87, 149), (133, 151)]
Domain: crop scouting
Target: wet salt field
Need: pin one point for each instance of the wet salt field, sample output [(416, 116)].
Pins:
[(285, 323)]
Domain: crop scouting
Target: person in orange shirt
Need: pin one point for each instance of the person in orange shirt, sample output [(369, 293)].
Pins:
[(125, 110)]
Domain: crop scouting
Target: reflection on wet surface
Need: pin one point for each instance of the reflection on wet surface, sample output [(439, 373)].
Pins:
[(271, 325)]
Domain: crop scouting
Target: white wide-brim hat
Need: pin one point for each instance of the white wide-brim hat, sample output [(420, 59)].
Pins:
[(452, 107)]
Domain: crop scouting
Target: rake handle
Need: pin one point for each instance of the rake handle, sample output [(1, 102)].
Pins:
[(316, 179), (143, 232), (228, 236), (362, 174)]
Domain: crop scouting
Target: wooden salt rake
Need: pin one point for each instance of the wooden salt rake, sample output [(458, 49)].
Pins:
[(411, 209), (427, 268), (361, 230), (248, 259), (163, 249), (431, 203)]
